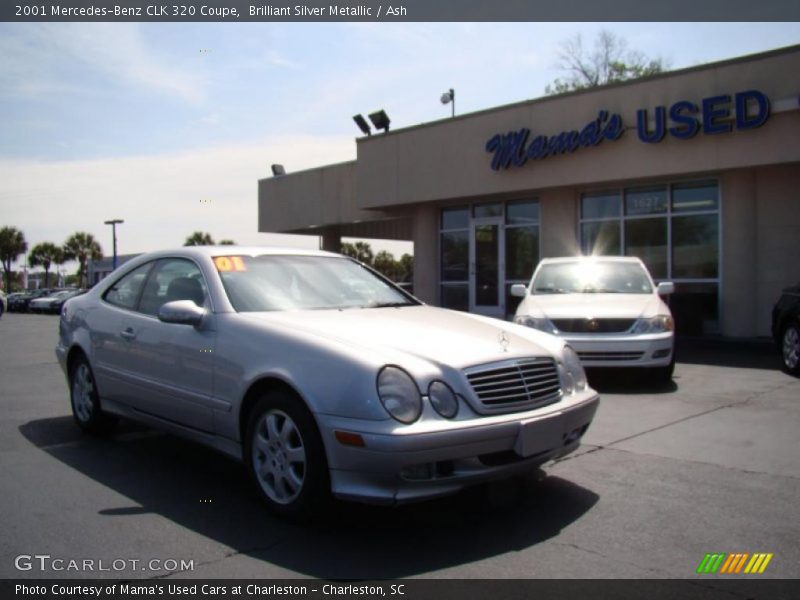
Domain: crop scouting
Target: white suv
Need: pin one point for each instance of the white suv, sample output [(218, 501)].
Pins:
[(607, 308)]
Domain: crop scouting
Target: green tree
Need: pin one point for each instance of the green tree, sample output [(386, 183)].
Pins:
[(385, 264), (608, 62), (44, 255), (227, 243), (82, 247), (361, 251), (199, 238), (12, 244), (406, 268)]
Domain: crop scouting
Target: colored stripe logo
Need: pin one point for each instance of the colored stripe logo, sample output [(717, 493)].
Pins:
[(734, 563)]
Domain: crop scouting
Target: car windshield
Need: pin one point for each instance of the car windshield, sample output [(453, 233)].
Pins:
[(592, 277), (293, 282)]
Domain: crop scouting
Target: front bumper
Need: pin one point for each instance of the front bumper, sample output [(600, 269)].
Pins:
[(430, 458), (623, 350)]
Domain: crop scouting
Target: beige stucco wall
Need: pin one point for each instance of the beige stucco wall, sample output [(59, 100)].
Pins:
[(448, 160), (777, 238)]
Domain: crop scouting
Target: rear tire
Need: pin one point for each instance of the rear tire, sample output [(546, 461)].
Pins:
[(85, 400), (790, 348), (285, 457)]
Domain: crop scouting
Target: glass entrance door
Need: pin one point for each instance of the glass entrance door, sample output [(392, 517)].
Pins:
[(486, 267)]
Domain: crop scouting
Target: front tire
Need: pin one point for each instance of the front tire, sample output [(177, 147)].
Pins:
[(285, 456), (85, 401), (790, 348)]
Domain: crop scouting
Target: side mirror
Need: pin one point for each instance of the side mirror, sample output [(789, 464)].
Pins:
[(182, 312), (519, 290), (665, 288)]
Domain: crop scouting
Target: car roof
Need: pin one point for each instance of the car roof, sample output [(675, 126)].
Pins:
[(568, 259), (211, 251)]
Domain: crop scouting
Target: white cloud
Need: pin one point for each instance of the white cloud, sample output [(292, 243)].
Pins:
[(159, 197), (36, 58)]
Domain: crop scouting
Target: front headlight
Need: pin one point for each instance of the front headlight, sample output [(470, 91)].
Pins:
[(657, 324), (574, 376), (399, 394), (443, 399), (540, 323)]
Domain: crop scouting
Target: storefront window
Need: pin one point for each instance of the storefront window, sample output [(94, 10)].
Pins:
[(600, 238), (695, 197), (646, 201), (455, 218), (695, 245), (522, 212), (674, 229), (601, 206), (455, 255), (522, 252), (647, 239), (488, 210), (455, 296)]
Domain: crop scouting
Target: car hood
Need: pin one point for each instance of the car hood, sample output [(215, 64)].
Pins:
[(444, 337), (570, 306)]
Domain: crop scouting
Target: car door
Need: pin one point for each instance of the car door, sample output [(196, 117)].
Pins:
[(172, 365), (109, 347)]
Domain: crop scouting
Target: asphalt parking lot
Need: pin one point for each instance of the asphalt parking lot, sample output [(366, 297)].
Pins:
[(709, 463)]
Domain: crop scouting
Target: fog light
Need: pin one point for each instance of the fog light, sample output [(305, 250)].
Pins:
[(418, 472), (661, 353)]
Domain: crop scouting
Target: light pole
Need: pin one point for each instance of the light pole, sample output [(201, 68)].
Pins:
[(114, 223), (449, 97)]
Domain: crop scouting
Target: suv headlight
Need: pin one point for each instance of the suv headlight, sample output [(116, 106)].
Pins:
[(574, 375), (657, 324), (399, 394), (540, 323)]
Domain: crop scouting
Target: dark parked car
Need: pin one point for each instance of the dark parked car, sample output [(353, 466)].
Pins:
[(786, 328), (22, 302)]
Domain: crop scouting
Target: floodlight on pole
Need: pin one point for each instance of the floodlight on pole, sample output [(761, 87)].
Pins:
[(278, 170), (114, 223), (449, 97), (362, 124), (380, 120)]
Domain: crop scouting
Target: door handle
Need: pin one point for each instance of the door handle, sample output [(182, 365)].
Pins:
[(128, 334)]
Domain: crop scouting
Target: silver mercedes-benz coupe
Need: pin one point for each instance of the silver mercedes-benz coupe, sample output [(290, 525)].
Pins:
[(319, 374)]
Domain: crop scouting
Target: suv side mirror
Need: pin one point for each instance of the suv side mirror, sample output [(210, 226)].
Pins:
[(519, 290), (665, 288)]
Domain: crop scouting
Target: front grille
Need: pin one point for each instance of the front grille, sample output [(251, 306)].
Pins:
[(593, 325), (515, 385), (615, 356)]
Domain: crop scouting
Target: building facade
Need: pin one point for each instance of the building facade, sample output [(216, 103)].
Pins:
[(695, 171)]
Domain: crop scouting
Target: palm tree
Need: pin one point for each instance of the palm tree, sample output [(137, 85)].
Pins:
[(12, 244), (43, 255), (199, 238), (82, 246)]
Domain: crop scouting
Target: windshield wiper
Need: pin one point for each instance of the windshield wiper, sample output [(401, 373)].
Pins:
[(549, 290), (599, 291), (387, 304)]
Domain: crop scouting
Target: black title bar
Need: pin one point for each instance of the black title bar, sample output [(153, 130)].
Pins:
[(403, 10)]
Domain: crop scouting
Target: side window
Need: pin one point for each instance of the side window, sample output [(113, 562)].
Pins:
[(173, 279), (125, 292)]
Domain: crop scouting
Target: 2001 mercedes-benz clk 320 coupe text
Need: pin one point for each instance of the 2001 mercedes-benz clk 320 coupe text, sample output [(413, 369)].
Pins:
[(319, 374)]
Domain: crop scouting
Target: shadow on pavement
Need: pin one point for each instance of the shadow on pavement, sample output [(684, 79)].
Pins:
[(210, 494), (746, 354)]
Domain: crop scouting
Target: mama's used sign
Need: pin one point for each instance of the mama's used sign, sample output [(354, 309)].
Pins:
[(683, 120)]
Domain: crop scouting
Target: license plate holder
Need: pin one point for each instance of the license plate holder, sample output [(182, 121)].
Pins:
[(539, 435)]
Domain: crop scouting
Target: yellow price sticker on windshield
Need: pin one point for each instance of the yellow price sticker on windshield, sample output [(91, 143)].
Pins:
[(226, 264)]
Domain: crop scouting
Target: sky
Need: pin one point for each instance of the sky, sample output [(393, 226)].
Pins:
[(170, 126)]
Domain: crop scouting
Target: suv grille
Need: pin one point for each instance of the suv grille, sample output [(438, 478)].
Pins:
[(515, 385), (593, 325)]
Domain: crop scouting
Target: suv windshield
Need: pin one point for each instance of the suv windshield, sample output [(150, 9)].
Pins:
[(276, 282), (592, 277)]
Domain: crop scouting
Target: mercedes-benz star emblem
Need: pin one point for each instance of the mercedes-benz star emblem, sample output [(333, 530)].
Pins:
[(504, 340)]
